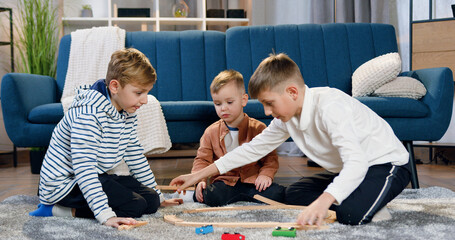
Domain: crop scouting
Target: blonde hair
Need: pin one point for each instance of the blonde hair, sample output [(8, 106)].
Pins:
[(130, 66), (226, 77), (273, 71)]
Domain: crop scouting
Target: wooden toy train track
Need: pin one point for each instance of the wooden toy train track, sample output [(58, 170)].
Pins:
[(173, 219)]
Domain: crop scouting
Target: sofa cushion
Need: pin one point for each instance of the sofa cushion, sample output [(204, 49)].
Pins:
[(255, 109), (396, 107), (375, 73), (204, 110), (402, 87), (188, 110), (47, 113), (172, 110)]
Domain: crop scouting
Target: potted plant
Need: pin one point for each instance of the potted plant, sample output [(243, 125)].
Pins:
[(38, 31), (38, 37), (86, 11)]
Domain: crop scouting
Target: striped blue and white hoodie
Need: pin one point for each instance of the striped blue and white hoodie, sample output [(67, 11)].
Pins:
[(91, 139)]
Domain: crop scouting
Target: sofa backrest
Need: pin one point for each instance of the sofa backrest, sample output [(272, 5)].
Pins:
[(186, 62), (62, 63), (326, 54)]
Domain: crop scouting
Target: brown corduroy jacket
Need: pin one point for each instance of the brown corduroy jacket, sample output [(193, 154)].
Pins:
[(212, 147)]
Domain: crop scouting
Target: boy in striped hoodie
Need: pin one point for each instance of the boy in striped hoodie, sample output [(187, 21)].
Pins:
[(94, 167)]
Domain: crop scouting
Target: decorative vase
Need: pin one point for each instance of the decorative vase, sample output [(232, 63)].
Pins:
[(86, 13), (180, 9)]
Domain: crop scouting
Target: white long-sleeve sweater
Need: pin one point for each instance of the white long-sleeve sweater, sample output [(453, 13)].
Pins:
[(91, 139), (334, 130)]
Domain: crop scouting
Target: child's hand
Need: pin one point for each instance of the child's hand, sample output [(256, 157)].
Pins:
[(262, 182), (187, 180), (316, 212), (117, 221), (171, 202), (183, 181), (200, 187)]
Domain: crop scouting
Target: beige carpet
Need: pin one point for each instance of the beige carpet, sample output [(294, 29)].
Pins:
[(427, 213)]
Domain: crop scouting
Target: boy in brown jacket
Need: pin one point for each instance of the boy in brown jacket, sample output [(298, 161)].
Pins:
[(232, 130)]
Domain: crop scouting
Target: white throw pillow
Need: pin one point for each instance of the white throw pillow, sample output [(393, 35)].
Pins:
[(402, 87), (375, 73)]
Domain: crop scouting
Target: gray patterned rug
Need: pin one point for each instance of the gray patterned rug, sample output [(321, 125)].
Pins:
[(427, 213)]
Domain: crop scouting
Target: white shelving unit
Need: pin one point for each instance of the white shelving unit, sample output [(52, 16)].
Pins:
[(156, 22)]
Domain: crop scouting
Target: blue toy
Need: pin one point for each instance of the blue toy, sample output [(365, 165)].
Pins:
[(204, 229)]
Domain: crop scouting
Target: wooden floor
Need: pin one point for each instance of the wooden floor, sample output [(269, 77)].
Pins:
[(20, 180)]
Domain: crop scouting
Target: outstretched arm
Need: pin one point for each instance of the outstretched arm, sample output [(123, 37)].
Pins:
[(184, 181), (252, 151)]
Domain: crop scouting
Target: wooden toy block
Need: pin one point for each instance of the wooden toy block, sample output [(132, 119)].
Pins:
[(128, 227)]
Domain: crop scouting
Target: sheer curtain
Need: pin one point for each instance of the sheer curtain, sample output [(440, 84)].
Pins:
[(328, 11)]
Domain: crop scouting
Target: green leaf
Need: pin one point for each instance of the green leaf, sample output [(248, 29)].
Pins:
[(38, 37)]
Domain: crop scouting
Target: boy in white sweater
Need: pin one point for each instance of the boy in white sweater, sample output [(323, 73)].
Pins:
[(95, 167), (366, 165)]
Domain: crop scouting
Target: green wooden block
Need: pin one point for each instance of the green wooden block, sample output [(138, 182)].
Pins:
[(284, 232)]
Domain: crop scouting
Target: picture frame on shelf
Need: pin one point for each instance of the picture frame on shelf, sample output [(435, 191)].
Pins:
[(133, 12), (215, 13)]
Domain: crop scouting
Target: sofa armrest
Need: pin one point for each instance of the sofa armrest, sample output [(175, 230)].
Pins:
[(440, 92), (20, 93)]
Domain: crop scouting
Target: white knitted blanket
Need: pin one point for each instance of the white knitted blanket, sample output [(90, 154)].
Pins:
[(151, 128), (90, 53), (151, 132)]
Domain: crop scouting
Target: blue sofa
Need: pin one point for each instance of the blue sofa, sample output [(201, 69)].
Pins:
[(187, 61)]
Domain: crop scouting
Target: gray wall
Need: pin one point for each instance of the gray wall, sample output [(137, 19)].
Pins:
[(5, 66)]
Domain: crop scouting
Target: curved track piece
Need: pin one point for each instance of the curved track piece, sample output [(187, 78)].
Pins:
[(172, 219), (331, 215)]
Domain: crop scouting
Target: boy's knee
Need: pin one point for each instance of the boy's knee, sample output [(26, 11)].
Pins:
[(289, 197), (213, 200), (275, 192), (293, 196), (138, 207), (349, 216), (153, 203), (212, 197)]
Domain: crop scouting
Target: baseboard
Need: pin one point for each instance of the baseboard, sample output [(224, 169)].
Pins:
[(6, 147), (175, 154)]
